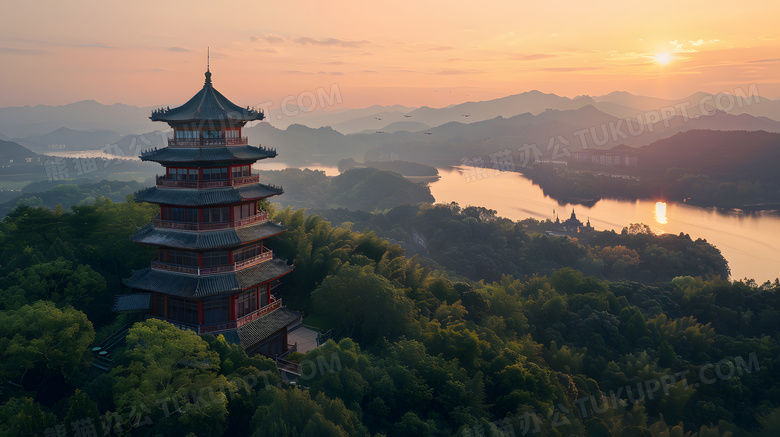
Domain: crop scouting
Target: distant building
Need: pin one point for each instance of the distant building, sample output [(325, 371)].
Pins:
[(213, 273), (573, 225), (619, 156)]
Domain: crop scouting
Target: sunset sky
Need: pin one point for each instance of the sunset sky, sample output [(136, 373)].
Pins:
[(412, 53)]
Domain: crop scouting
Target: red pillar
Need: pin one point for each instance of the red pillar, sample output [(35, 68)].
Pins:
[(233, 307), (200, 312)]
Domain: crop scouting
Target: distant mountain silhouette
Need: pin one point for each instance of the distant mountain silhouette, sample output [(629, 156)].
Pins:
[(372, 122), (301, 144), (408, 126), (453, 141), (700, 102), (10, 151), (20, 122), (737, 153), (283, 118), (627, 99), (73, 139)]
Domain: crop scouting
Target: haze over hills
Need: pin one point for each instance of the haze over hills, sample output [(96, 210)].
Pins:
[(447, 144), (72, 139), (456, 132), (11, 152), (733, 153), (20, 122)]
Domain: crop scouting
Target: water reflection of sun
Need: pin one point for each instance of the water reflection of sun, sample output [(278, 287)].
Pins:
[(660, 213)]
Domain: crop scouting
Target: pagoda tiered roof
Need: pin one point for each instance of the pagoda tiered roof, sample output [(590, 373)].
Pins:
[(208, 105), (195, 286), (206, 197), (168, 155), (221, 239)]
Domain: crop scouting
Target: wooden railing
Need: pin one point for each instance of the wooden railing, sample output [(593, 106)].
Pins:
[(207, 142), (193, 226), (233, 324), (166, 182), (203, 271)]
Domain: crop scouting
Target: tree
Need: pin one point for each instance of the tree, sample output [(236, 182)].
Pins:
[(23, 417), (58, 282), (44, 340), (365, 304), (171, 379)]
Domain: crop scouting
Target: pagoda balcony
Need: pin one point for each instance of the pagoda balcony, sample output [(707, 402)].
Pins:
[(206, 142), (204, 271), (166, 182), (228, 325), (194, 226), (233, 324)]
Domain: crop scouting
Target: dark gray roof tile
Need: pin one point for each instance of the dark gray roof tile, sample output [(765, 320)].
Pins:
[(258, 330), (203, 197), (206, 240), (207, 105), (168, 155), (132, 302), (191, 286)]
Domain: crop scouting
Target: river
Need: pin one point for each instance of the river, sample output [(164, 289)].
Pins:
[(749, 242)]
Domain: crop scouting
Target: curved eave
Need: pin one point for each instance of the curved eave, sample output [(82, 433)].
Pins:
[(193, 287), (168, 155), (208, 105), (207, 240), (205, 197)]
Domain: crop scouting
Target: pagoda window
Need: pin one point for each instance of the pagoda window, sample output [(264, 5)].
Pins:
[(187, 134), (212, 134), (263, 298), (233, 133), (240, 171), (185, 215), (244, 210), (216, 310), (214, 259), (183, 258), (247, 252), (246, 302), (183, 174), (216, 215), (182, 310), (215, 174)]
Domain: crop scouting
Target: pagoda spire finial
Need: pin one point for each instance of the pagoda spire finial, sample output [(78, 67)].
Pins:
[(208, 65)]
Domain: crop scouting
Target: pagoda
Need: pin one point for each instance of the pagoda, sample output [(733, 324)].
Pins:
[(213, 273)]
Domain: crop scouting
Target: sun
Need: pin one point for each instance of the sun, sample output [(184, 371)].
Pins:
[(663, 58)]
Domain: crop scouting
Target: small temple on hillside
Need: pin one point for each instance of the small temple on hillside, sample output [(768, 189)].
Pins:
[(213, 273)]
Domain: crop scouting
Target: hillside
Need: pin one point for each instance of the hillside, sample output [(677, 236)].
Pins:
[(13, 153), (728, 153)]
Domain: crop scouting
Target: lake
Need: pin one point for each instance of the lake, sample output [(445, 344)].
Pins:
[(749, 242)]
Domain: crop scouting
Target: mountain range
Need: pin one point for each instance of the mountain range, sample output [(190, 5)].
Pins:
[(430, 135)]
